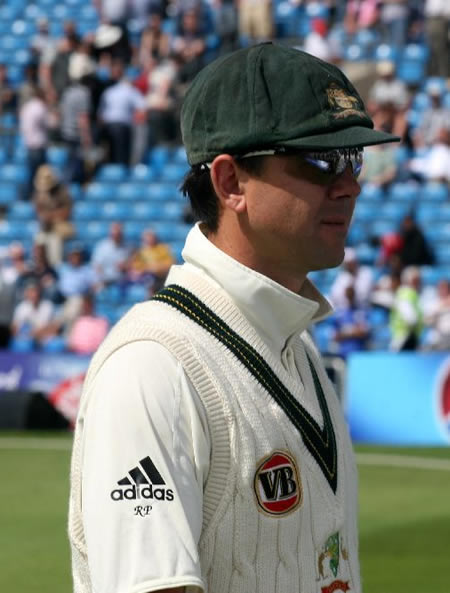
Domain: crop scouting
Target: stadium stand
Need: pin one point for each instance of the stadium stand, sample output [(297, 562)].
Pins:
[(45, 37)]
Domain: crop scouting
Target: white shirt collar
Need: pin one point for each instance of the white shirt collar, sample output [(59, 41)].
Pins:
[(275, 312)]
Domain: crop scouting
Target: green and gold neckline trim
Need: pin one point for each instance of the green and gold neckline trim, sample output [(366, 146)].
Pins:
[(320, 442)]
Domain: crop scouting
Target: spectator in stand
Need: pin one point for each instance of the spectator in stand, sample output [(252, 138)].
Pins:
[(416, 250), (161, 98), (351, 327), (256, 19), (43, 49), (150, 264), (155, 43), (110, 256), (16, 269), (380, 167), (189, 46), (434, 119), (33, 118), (394, 16), (53, 207), (406, 320), (33, 317), (437, 318), (388, 100), (121, 106), (75, 278), (8, 96), (7, 303), (44, 273), (352, 274), (434, 165), (76, 106), (437, 16), (361, 14), (88, 330), (226, 24), (58, 72), (27, 88), (316, 42)]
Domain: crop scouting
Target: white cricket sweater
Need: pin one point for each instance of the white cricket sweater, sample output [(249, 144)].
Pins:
[(286, 533)]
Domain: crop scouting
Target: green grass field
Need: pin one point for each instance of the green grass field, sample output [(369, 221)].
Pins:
[(404, 517)]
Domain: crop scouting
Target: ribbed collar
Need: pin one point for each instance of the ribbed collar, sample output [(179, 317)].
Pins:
[(275, 312)]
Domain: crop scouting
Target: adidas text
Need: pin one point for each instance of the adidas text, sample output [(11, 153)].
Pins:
[(145, 492)]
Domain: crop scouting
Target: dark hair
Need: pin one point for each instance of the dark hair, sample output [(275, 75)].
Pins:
[(198, 187)]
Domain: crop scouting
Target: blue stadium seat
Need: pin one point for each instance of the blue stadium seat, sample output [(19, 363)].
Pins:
[(86, 211), (435, 192), (22, 211), (146, 211), (180, 157), (366, 212), (141, 174), (100, 191), (393, 211), (404, 192), (14, 173), (111, 294), (442, 251), (54, 345), (357, 233), (114, 173), (133, 230), (161, 191), (173, 211), (412, 64), (440, 231), (371, 192), (136, 293), (366, 254), (157, 158), (11, 230), (131, 191), (76, 191), (8, 193), (380, 338), (378, 228), (386, 52), (354, 52), (421, 101), (57, 156), (117, 211), (426, 213), (93, 230)]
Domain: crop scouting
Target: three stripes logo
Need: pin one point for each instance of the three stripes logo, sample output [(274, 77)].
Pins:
[(145, 482)]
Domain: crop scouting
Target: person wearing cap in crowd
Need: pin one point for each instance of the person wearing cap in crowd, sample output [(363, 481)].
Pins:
[(388, 99), (210, 451)]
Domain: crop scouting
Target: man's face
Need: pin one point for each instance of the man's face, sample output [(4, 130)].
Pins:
[(296, 221)]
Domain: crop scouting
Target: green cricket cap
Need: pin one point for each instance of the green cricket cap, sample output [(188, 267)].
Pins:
[(270, 96)]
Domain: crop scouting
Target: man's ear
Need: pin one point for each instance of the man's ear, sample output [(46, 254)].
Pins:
[(226, 179)]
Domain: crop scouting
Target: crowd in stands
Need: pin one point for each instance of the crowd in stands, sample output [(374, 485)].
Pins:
[(109, 92)]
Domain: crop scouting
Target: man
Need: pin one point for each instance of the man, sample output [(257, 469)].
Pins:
[(210, 452), (110, 256), (121, 106)]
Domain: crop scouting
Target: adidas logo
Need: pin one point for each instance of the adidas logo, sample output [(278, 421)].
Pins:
[(146, 482)]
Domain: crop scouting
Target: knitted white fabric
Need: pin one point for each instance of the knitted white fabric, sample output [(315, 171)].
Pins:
[(243, 549)]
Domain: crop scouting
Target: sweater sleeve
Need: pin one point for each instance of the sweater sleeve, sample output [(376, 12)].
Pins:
[(145, 459)]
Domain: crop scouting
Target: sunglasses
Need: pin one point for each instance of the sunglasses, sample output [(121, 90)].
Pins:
[(325, 165), (335, 162)]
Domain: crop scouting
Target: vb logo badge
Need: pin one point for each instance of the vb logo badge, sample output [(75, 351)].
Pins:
[(277, 484)]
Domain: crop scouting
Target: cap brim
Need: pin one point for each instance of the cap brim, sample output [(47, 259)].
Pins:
[(346, 138)]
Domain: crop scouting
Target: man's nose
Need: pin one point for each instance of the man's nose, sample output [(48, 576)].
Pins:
[(345, 185)]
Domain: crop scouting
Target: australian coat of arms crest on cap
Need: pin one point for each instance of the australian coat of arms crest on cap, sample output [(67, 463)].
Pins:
[(343, 103)]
